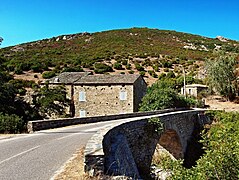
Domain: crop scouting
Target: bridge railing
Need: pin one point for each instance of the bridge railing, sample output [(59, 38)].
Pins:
[(38, 125)]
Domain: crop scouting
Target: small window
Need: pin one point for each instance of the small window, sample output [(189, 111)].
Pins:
[(189, 92), (82, 96), (82, 113), (123, 95)]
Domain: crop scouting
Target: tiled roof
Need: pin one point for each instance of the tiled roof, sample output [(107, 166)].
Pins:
[(86, 78), (108, 79), (68, 77)]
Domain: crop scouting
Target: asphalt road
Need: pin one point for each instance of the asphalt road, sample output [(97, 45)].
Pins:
[(40, 155)]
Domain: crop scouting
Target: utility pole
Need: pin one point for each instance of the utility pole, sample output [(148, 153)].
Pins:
[(184, 83)]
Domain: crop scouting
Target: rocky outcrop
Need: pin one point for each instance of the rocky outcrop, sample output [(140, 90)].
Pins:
[(222, 39)]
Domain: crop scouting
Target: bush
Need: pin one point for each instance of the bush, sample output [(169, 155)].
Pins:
[(170, 74), (139, 67), (221, 158), (131, 72), (161, 95), (118, 66), (124, 62), (128, 66), (142, 73), (152, 73), (101, 68), (47, 75), (11, 124)]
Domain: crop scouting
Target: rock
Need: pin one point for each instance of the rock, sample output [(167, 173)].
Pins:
[(222, 39)]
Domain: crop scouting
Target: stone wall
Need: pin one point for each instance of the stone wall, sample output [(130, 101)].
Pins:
[(129, 147), (103, 100), (38, 125), (140, 88)]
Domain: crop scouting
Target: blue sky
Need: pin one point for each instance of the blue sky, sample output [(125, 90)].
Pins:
[(28, 20)]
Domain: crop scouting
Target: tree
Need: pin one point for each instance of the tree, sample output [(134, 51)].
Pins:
[(51, 101), (221, 74), (162, 95), (1, 40)]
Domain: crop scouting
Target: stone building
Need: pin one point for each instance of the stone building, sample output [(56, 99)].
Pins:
[(97, 95), (194, 89)]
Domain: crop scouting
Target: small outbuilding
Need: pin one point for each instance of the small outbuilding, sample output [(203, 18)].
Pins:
[(193, 89)]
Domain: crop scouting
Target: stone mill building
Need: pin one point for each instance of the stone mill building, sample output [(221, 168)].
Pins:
[(99, 95)]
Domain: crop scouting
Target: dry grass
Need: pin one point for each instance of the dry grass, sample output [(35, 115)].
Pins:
[(74, 169), (217, 103)]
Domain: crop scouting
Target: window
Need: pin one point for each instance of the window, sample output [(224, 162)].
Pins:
[(82, 113), (82, 96), (123, 95)]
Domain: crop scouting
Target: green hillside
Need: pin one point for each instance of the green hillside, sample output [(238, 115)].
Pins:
[(82, 50)]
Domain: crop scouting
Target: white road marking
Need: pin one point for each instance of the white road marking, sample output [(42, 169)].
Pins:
[(19, 154), (82, 132)]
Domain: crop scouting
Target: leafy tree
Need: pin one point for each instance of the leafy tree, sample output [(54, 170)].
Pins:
[(221, 75), (161, 95), (51, 101), (1, 40)]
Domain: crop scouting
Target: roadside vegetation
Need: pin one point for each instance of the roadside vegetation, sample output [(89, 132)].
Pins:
[(221, 157)]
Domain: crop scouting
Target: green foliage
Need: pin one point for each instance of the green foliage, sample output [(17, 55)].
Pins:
[(157, 124), (131, 72), (124, 62), (221, 75), (118, 66), (139, 67), (161, 95), (1, 40), (170, 74), (50, 101), (128, 66), (48, 74), (221, 158), (10, 123), (73, 69), (87, 49), (101, 68), (142, 73), (152, 73)]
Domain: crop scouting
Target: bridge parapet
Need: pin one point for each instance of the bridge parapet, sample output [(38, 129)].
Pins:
[(126, 148)]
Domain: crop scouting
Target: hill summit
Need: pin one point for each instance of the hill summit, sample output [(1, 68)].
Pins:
[(130, 48)]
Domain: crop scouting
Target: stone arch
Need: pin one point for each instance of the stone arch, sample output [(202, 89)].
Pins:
[(171, 142)]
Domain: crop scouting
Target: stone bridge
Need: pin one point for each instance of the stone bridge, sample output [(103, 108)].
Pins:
[(127, 148)]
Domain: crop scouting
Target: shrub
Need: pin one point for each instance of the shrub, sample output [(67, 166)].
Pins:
[(221, 158), (142, 73), (101, 68), (124, 62), (128, 66), (139, 67), (157, 124), (10, 123), (118, 66), (170, 74), (152, 73), (131, 72), (161, 95), (47, 75), (161, 76)]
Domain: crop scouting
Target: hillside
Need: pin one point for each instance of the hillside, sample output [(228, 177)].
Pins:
[(137, 50)]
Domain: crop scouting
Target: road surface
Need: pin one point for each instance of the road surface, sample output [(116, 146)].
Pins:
[(41, 154)]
